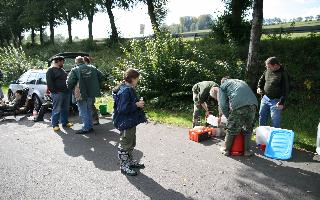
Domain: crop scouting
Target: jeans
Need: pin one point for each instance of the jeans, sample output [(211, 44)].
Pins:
[(269, 106), (60, 108), (85, 112)]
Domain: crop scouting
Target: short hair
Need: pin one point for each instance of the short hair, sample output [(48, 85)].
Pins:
[(87, 59), (273, 61), (224, 79), (214, 92), (130, 74), (19, 92), (79, 60)]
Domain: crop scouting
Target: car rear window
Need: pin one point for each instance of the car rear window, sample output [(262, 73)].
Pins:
[(42, 80)]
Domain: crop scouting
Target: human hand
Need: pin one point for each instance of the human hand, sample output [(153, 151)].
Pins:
[(279, 106), (207, 114), (140, 104), (259, 91), (219, 121)]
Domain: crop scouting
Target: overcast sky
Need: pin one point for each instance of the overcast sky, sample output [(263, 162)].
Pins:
[(128, 22)]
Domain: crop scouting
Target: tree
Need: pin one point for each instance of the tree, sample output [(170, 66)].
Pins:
[(53, 15), (89, 9), (299, 19), (186, 22), (70, 9), (256, 32), (157, 12), (318, 17), (204, 22)]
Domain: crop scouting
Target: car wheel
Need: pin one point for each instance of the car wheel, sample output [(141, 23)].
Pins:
[(10, 95), (36, 102)]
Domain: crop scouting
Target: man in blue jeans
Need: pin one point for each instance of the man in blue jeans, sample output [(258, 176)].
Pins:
[(86, 82), (60, 94), (274, 86)]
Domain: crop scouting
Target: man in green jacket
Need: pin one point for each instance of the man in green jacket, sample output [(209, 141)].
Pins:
[(86, 82), (274, 86), (202, 99), (239, 104)]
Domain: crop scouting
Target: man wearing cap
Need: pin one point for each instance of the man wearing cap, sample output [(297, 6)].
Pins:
[(56, 83)]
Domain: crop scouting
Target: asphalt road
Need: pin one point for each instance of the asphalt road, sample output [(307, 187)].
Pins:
[(37, 163)]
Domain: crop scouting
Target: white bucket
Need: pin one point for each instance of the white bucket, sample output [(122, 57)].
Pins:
[(318, 140), (263, 134)]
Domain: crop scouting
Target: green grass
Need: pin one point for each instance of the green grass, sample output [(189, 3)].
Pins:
[(5, 89), (291, 35), (297, 24)]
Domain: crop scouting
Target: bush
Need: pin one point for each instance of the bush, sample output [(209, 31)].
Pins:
[(14, 62)]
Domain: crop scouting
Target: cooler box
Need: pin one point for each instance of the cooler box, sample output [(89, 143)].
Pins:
[(201, 133), (280, 144)]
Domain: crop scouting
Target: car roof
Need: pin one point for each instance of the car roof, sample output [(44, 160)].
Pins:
[(37, 70)]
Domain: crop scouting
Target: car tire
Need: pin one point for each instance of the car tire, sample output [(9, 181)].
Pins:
[(36, 102), (10, 95)]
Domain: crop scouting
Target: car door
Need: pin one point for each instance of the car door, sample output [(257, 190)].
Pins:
[(41, 85), (31, 82)]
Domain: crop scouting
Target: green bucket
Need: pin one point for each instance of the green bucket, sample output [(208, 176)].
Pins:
[(103, 108)]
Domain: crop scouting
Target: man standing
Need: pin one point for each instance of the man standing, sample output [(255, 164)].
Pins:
[(274, 86), (56, 82), (86, 82), (239, 104), (202, 99)]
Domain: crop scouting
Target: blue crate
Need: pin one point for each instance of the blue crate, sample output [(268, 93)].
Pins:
[(280, 144)]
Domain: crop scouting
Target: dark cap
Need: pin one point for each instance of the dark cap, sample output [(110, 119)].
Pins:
[(57, 58)]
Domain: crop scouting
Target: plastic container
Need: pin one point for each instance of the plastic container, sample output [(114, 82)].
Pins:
[(103, 108), (280, 144), (318, 140), (238, 145), (263, 134)]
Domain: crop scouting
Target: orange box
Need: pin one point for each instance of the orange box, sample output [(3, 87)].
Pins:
[(201, 133)]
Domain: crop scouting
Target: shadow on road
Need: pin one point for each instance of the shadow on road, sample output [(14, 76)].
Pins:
[(275, 174)]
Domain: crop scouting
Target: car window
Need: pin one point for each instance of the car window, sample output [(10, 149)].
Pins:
[(23, 78), (32, 78), (42, 80), (68, 64)]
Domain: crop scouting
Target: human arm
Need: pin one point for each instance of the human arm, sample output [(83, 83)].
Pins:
[(223, 103), (50, 80), (261, 83), (72, 79)]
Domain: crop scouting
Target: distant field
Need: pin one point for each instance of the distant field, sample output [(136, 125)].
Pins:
[(297, 24)]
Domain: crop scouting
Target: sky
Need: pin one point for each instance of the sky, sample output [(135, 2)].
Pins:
[(128, 22)]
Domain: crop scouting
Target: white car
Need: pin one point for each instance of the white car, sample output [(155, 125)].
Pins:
[(35, 80)]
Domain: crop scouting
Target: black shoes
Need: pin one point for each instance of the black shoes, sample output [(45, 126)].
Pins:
[(83, 132)]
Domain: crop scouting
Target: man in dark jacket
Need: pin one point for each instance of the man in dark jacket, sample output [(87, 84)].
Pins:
[(274, 86), (86, 82), (56, 82)]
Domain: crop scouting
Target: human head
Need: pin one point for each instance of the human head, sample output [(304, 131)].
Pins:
[(131, 76), (272, 63), (87, 59), (214, 92), (224, 79), (79, 60), (58, 61), (18, 93)]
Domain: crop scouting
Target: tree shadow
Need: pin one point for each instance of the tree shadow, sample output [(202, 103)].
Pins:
[(292, 181)]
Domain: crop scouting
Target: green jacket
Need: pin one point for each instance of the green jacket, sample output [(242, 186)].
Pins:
[(201, 91), (234, 94), (90, 80)]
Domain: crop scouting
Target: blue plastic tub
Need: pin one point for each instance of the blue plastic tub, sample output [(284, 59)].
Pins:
[(280, 144)]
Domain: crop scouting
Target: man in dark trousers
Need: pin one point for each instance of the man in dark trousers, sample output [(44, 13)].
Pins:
[(274, 86), (60, 94)]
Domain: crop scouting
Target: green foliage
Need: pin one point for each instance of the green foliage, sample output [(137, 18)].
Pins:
[(14, 62)]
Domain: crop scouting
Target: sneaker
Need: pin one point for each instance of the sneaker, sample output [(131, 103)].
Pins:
[(248, 153), (83, 131), (224, 151), (68, 125), (96, 123), (56, 128), (136, 165), (127, 171)]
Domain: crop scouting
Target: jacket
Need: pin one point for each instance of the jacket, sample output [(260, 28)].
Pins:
[(126, 114), (56, 80), (234, 94), (202, 91), (90, 80)]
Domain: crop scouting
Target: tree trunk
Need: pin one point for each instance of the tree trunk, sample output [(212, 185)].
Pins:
[(90, 19), (153, 18), (114, 33), (256, 32), (33, 35), (41, 36), (51, 23), (69, 23)]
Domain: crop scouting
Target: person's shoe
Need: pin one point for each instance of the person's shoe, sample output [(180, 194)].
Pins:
[(96, 123), (224, 151), (68, 125), (128, 171), (56, 128), (136, 165), (248, 153)]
